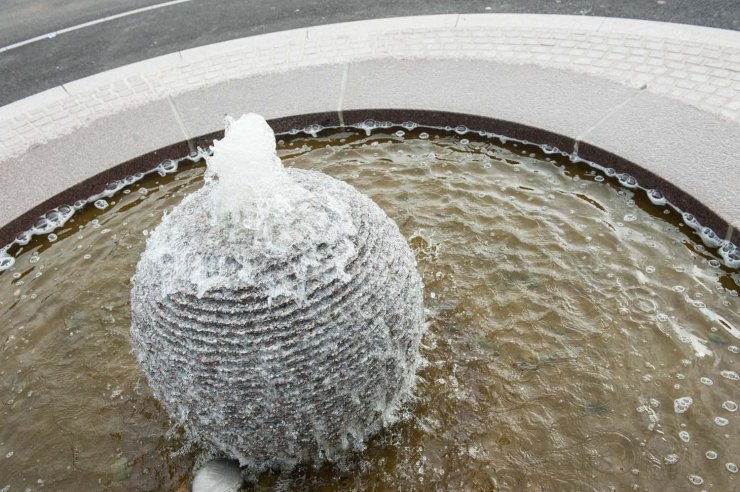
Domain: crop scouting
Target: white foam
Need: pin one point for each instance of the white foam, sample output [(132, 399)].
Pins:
[(248, 178), (260, 212)]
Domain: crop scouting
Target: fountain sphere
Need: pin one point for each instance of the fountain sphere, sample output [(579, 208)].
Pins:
[(276, 313)]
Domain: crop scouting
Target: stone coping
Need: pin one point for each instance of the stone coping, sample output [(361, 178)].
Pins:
[(661, 101)]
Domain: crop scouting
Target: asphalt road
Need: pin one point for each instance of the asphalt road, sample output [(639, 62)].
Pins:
[(52, 61)]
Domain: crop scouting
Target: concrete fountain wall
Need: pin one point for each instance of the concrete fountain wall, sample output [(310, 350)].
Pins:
[(659, 101)]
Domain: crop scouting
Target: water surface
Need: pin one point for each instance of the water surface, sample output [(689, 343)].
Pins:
[(570, 322)]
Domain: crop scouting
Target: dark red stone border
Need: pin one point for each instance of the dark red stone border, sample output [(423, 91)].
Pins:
[(647, 179)]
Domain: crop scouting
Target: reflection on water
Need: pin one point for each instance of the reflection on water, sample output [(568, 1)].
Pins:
[(581, 338)]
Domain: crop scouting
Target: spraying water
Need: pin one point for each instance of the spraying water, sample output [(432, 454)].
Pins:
[(277, 313)]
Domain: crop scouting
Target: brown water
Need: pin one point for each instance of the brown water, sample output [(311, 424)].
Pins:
[(566, 315)]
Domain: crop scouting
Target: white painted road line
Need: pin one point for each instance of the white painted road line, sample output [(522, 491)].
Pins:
[(90, 23)]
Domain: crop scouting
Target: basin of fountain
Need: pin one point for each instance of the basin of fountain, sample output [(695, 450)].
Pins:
[(582, 333)]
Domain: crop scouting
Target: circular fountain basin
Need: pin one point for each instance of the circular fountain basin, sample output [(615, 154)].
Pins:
[(580, 335)]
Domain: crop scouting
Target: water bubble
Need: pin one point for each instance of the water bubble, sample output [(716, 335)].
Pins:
[(721, 421), (656, 197), (168, 166), (599, 178), (79, 204), (101, 204), (409, 125), (730, 406), (731, 375), (400, 133), (662, 317), (678, 288), (734, 349), (464, 141), (87, 256), (52, 237), (709, 237), (731, 467), (711, 455), (9, 455), (696, 479), (627, 180), (650, 269), (714, 263), (42, 225), (23, 238), (681, 405), (630, 218), (610, 172), (461, 130), (423, 135), (313, 130), (691, 221), (548, 149), (671, 459), (706, 381), (684, 436)]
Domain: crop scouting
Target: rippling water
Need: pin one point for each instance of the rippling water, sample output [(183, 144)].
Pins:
[(580, 337)]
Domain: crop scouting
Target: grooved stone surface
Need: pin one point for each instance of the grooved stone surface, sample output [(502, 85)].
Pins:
[(264, 374)]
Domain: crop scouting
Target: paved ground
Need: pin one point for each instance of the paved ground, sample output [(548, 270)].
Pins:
[(663, 96), (51, 62)]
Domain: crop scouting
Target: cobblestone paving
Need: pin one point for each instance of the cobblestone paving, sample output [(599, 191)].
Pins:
[(698, 66)]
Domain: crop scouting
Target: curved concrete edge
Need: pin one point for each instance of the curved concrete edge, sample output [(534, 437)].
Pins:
[(519, 69)]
